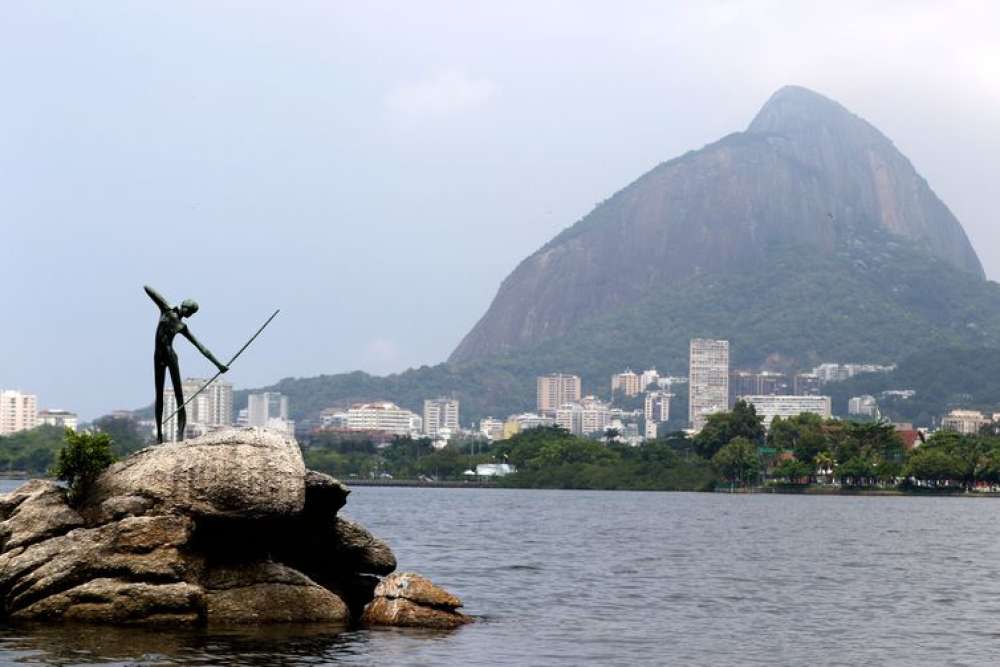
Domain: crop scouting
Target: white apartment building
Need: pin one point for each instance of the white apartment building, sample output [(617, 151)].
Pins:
[(555, 390), (626, 384), (383, 416), (211, 409), (59, 418), (708, 380), (18, 411), (656, 411), (440, 413), (584, 418), (770, 407), (967, 422)]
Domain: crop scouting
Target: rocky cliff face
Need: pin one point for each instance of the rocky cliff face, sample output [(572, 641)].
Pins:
[(806, 172)]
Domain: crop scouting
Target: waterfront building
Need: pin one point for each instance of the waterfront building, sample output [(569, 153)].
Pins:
[(626, 384), (770, 407), (494, 469), (862, 406), (492, 429), (440, 413), (383, 416), (59, 418), (18, 411), (556, 389), (708, 377), (967, 422)]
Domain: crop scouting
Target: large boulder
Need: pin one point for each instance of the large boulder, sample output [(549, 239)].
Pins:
[(226, 528), (245, 473), (266, 592), (409, 600)]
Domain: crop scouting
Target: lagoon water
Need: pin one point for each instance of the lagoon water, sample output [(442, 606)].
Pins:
[(620, 578)]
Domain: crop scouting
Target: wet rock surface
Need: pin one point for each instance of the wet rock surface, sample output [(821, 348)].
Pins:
[(407, 599), (226, 528)]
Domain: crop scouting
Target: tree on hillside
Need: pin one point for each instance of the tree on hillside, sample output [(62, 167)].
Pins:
[(721, 428)]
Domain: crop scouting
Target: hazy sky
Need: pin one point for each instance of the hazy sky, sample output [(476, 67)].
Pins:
[(376, 169)]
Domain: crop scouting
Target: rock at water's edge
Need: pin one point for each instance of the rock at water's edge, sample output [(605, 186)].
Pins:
[(410, 600)]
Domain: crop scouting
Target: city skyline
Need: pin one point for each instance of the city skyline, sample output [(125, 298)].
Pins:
[(404, 147)]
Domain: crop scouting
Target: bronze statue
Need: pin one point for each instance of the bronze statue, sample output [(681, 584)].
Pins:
[(164, 358)]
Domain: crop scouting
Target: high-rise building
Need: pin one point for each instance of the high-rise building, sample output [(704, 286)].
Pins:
[(587, 417), (440, 413), (209, 410), (626, 384), (770, 407), (557, 389), (269, 410), (18, 411), (708, 380), (60, 418), (656, 411)]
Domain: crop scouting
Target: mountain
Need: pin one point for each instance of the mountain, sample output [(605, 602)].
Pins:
[(806, 172), (807, 238)]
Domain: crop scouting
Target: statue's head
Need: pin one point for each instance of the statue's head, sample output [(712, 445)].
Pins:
[(189, 307)]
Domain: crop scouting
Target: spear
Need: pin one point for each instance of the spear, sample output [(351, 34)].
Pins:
[(214, 377)]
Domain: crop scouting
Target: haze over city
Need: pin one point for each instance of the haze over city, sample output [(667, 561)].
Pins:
[(377, 170)]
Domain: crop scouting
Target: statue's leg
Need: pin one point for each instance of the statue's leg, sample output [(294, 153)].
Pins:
[(175, 380), (159, 374)]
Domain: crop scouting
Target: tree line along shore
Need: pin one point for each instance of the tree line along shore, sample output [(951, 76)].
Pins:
[(733, 452)]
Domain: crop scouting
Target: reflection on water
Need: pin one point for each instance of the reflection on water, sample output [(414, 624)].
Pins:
[(615, 578), (249, 646)]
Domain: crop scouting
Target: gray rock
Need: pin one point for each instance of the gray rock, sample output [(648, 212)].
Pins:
[(268, 593), (246, 473), (108, 600), (410, 600), (325, 495), (355, 549), (35, 511)]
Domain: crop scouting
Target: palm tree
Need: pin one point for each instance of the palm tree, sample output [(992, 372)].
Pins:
[(825, 463), (610, 435)]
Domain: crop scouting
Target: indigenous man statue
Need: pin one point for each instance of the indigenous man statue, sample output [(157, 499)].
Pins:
[(164, 358)]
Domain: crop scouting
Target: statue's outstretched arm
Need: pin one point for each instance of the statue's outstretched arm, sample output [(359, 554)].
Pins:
[(186, 332), (160, 302)]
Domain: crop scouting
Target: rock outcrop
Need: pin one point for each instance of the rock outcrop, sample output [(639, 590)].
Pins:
[(226, 528), (407, 599), (806, 172)]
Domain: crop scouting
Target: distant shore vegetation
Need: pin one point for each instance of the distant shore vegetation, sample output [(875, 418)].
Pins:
[(732, 451)]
